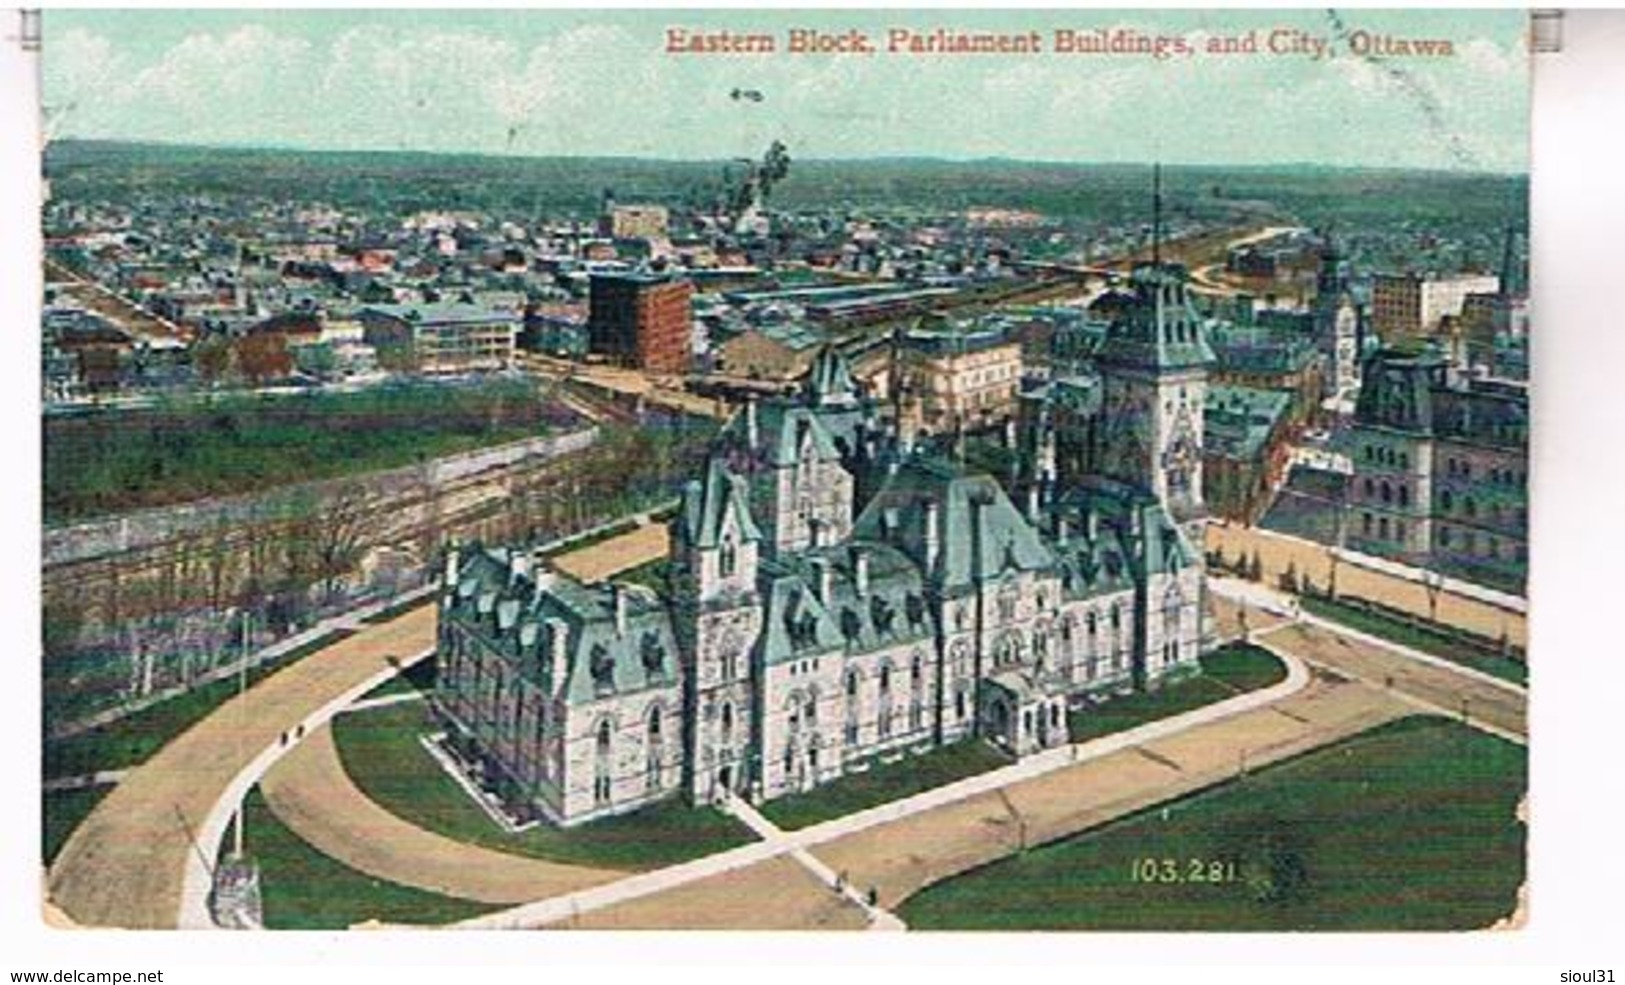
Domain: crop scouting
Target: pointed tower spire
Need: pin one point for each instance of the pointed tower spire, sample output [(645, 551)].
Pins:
[(1156, 213)]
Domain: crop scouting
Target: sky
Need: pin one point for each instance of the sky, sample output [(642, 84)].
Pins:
[(600, 83)]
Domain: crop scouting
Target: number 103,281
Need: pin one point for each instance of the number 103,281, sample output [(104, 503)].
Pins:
[(1175, 870)]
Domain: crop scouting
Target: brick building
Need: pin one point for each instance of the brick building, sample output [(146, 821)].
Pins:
[(642, 320)]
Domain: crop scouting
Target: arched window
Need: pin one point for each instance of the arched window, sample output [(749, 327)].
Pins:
[(915, 671), (1447, 500), (851, 684), (605, 736), (730, 558), (1404, 496), (1471, 507), (1387, 492), (727, 722), (885, 680)]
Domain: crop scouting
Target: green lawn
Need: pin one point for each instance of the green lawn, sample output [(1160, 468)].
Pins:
[(381, 752), (134, 738), (61, 812), (302, 889), (1230, 670), (884, 782), (110, 462), (1410, 826), (1437, 644)]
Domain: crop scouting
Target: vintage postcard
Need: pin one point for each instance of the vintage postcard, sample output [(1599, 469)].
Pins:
[(1028, 470)]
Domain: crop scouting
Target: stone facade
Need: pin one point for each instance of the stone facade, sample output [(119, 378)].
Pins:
[(832, 597)]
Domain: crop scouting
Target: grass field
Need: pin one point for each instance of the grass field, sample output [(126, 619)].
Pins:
[(1408, 827), (302, 889), (382, 754), (1437, 644), (884, 782), (102, 463), (1230, 670), (134, 738), (61, 812)]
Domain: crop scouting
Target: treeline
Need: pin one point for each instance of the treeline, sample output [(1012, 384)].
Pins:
[(112, 461)]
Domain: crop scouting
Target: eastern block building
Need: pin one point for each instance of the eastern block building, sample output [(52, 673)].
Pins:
[(833, 596)]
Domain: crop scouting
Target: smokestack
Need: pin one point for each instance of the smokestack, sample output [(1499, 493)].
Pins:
[(933, 541)]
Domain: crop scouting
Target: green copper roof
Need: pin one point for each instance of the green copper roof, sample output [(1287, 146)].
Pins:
[(617, 639), (1160, 329)]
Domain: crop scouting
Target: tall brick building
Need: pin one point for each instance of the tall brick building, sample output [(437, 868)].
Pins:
[(642, 320)]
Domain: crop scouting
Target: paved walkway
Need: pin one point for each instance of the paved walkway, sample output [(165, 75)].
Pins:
[(571, 907), (879, 919), (148, 847), (309, 792), (1276, 603)]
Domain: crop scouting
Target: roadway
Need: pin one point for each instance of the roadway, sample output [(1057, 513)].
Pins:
[(126, 864)]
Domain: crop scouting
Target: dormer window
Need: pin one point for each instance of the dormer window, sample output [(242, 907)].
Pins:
[(602, 666)]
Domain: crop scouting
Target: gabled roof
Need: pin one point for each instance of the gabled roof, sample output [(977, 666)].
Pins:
[(802, 620), (1160, 329), (979, 533), (518, 613), (829, 380), (708, 508)]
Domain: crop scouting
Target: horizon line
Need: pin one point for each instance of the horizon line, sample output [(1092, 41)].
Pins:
[(936, 158)]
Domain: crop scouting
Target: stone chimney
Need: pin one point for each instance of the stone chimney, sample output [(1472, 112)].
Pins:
[(933, 535), (823, 580), (860, 571), (1091, 521), (1032, 503), (1062, 532), (451, 569), (518, 566), (751, 431), (618, 593), (558, 652)]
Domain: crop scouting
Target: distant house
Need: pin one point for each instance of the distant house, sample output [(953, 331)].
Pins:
[(440, 338)]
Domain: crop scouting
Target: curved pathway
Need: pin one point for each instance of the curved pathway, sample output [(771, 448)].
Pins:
[(950, 812), (310, 792), (143, 857)]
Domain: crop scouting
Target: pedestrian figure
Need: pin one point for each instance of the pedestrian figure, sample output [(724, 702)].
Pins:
[(284, 739), (299, 733), (874, 896)]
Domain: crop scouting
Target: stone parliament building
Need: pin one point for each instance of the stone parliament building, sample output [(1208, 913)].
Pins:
[(835, 595)]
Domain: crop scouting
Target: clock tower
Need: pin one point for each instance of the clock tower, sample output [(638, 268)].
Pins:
[(1154, 368)]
